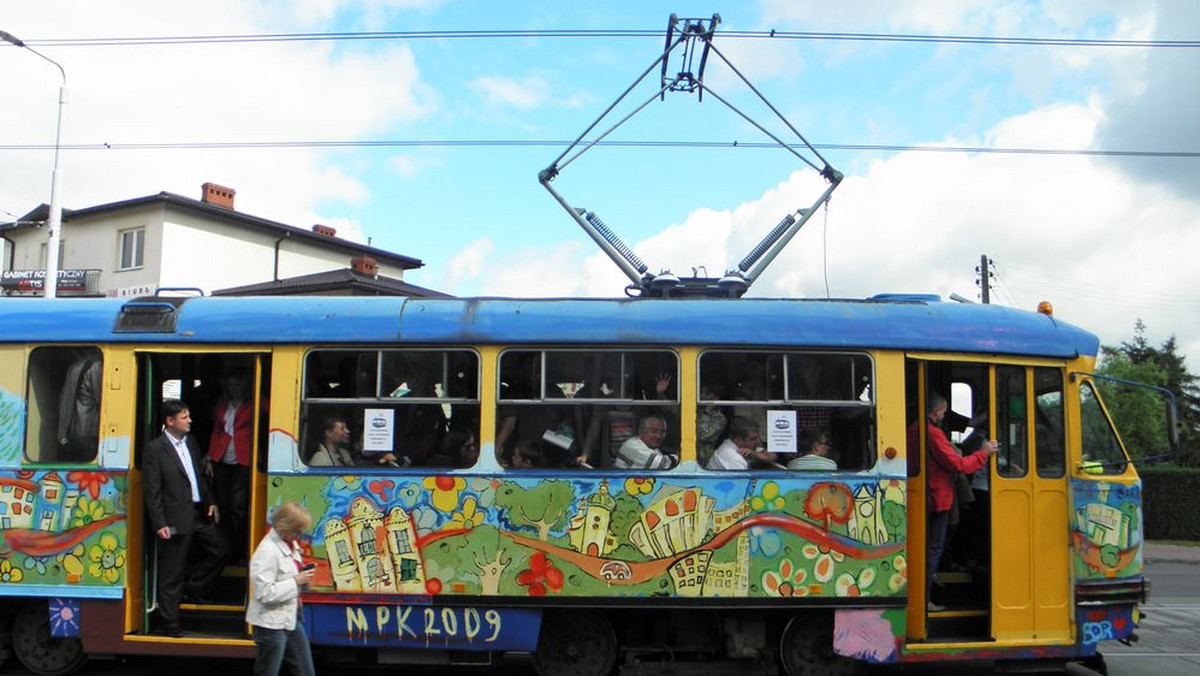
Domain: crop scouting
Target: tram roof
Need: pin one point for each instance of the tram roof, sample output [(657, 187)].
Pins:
[(910, 323)]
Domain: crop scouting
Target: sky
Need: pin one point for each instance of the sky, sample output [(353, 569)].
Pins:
[(1106, 238)]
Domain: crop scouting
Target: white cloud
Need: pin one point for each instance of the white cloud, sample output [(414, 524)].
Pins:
[(410, 165), (467, 264), (1073, 230), (199, 93), (525, 93)]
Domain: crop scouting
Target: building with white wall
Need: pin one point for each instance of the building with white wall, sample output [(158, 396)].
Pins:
[(137, 246)]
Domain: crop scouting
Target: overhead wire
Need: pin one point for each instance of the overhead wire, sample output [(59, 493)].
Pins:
[(1084, 286), (604, 34), (769, 34), (541, 143)]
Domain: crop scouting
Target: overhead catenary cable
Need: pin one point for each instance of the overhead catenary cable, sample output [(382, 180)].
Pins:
[(1084, 287), (543, 143), (501, 34)]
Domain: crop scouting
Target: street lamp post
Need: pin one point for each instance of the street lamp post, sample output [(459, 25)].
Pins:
[(54, 223)]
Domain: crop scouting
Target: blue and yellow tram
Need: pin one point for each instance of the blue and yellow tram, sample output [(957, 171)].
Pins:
[(486, 509)]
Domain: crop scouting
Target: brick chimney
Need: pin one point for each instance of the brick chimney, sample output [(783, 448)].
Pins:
[(217, 195), (324, 230), (365, 266)]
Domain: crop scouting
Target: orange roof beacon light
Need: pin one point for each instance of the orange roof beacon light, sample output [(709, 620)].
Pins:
[(1046, 308)]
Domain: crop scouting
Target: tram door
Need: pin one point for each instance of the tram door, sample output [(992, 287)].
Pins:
[(206, 382), (1031, 584), (1003, 574), (958, 603)]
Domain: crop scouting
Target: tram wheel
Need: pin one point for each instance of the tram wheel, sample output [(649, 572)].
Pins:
[(806, 649), (40, 652), (575, 643)]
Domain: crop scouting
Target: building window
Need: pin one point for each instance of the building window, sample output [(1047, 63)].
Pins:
[(132, 248), (62, 252)]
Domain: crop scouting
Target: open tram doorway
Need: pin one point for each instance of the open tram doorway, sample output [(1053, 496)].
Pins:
[(958, 603), (1003, 575), (224, 392)]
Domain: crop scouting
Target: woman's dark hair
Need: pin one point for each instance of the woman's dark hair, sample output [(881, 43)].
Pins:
[(809, 438)]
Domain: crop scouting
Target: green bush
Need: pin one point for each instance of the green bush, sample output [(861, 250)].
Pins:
[(1171, 502)]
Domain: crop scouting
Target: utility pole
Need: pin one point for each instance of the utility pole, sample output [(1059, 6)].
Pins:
[(984, 278)]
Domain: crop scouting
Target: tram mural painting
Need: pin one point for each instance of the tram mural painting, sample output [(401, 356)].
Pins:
[(1106, 532), (632, 537), (63, 527)]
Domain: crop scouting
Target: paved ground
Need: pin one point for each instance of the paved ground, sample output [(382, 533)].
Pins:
[(1159, 552)]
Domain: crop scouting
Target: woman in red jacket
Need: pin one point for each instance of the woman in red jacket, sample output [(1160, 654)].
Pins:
[(944, 462), (229, 455)]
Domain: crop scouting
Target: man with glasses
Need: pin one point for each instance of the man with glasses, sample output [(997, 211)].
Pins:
[(741, 448), (642, 451)]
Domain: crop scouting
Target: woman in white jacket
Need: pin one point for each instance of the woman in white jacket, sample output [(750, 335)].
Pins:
[(276, 578)]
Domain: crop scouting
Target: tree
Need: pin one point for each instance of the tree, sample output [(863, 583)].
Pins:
[(1187, 394), (484, 549), (627, 513), (543, 507), (1138, 413), (1172, 374), (829, 503)]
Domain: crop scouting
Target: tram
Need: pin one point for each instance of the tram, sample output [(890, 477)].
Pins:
[(434, 551)]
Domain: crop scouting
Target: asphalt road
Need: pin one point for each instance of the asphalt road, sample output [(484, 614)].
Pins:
[(1169, 634), (1169, 645)]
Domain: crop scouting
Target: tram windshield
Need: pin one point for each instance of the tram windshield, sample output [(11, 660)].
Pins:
[(1102, 453)]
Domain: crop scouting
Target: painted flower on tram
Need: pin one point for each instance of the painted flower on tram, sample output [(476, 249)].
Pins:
[(444, 491), (72, 563), (106, 559), (900, 577), (408, 494), (768, 499), (825, 560), (37, 563), (639, 485), (540, 576), (382, 489), (485, 489), (787, 581), (765, 541), (10, 573), (468, 518), (86, 512), (855, 585), (89, 482)]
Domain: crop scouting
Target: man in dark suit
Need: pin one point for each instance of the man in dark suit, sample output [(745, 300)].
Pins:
[(182, 511)]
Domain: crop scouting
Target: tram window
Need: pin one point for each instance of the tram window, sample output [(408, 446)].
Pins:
[(1102, 452), (341, 374), (576, 408), (63, 414), (1011, 422), (827, 392), (391, 408), (1049, 443), (829, 377)]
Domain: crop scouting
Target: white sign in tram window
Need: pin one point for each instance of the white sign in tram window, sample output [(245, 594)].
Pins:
[(378, 424), (781, 431)]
